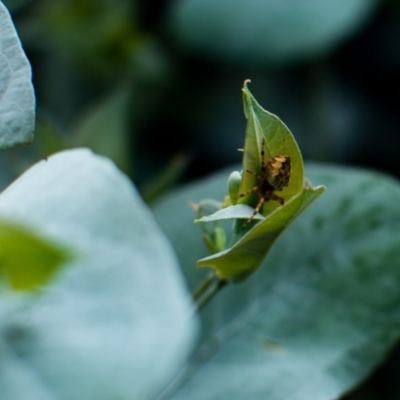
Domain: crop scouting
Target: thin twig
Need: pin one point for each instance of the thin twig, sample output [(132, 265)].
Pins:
[(207, 289)]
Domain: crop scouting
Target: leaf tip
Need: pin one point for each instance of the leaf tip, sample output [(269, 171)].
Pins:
[(246, 82), (246, 98)]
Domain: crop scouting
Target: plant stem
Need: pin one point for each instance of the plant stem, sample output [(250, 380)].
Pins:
[(207, 289)]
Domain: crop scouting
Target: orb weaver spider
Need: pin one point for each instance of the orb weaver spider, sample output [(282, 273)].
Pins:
[(274, 175)]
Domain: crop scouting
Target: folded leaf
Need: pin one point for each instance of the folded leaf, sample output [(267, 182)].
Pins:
[(266, 136), (241, 260)]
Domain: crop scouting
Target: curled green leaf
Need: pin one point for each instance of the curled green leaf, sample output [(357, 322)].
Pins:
[(278, 141), (242, 259), (272, 163)]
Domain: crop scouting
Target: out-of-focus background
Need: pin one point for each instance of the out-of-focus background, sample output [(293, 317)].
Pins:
[(155, 85)]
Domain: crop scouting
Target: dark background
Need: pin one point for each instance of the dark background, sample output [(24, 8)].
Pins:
[(155, 85), (180, 110)]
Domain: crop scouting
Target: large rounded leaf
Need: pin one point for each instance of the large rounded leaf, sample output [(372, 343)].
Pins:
[(115, 322), (17, 100), (320, 313), (267, 31)]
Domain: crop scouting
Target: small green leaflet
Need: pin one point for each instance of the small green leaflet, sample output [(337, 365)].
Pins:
[(27, 260)]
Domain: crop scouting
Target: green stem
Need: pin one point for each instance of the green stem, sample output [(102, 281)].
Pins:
[(207, 289), (237, 231)]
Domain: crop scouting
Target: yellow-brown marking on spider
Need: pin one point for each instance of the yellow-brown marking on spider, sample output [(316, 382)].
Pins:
[(274, 175)]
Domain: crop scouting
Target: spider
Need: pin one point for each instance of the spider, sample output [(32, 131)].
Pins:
[(274, 175)]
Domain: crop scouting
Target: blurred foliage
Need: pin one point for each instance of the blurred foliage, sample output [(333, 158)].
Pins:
[(336, 92), (15, 5), (100, 37), (182, 102), (105, 131), (267, 32)]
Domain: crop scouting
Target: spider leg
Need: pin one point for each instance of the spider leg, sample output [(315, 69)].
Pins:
[(280, 200), (256, 210), (256, 175), (253, 190), (263, 156)]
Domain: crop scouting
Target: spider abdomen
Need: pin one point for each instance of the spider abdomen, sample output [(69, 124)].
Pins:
[(274, 175), (278, 170)]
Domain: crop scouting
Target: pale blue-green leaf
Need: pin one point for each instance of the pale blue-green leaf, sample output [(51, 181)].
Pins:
[(231, 212), (321, 312), (17, 99), (115, 323), (269, 31)]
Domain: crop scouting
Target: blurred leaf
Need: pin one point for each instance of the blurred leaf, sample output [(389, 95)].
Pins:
[(105, 129), (268, 31), (323, 310), (165, 180), (49, 138), (17, 99), (27, 260), (95, 332), (99, 37), (15, 5)]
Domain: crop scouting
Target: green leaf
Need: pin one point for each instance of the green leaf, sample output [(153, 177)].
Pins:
[(241, 260), (323, 310), (17, 100), (278, 141), (116, 321), (166, 179), (265, 132), (105, 129), (267, 32), (49, 139), (98, 37), (26, 259), (232, 212)]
